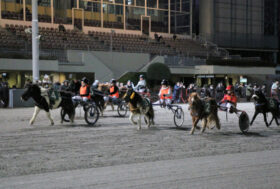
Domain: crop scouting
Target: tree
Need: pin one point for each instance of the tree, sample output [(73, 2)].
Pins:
[(156, 72)]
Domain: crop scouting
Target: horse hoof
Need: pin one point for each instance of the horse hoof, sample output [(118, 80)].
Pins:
[(52, 123)]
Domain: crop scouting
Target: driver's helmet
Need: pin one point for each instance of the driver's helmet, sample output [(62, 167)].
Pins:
[(113, 81), (141, 76), (85, 80), (46, 79), (229, 88), (164, 82)]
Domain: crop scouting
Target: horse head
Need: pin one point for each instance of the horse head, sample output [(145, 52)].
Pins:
[(130, 95), (193, 98), (32, 90), (258, 96)]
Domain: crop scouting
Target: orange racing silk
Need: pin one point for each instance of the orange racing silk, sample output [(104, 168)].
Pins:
[(83, 91), (230, 98), (116, 94), (167, 92)]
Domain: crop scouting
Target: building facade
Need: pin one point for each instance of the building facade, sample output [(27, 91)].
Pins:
[(163, 16), (244, 27)]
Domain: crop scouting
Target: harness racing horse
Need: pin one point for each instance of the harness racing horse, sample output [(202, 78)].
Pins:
[(139, 106), (43, 102), (205, 110), (98, 98), (264, 105)]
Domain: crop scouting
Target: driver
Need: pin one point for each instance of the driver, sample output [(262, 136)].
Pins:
[(113, 92), (165, 93), (141, 85), (84, 94), (229, 101)]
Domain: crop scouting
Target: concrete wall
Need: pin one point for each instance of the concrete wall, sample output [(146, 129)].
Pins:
[(86, 62), (119, 63), (26, 64)]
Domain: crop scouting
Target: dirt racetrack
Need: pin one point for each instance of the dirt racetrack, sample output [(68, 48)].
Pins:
[(42, 148)]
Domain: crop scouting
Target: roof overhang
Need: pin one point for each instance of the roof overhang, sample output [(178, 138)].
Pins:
[(213, 69)]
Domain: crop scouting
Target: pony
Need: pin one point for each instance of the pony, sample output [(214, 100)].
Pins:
[(42, 102), (264, 105), (139, 106), (98, 98), (205, 110)]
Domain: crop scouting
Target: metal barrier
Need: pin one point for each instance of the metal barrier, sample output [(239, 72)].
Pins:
[(15, 99)]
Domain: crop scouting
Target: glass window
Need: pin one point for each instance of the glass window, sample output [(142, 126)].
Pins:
[(163, 4), (186, 6), (119, 1), (130, 2), (44, 11), (140, 3), (152, 3), (180, 23), (108, 1), (63, 11), (159, 20), (92, 13), (12, 9), (175, 5), (113, 16), (133, 17)]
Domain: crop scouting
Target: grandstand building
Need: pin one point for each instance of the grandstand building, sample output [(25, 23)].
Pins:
[(104, 39)]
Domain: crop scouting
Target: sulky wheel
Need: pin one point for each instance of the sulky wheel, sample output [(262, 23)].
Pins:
[(91, 114), (122, 109), (244, 122), (179, 117)]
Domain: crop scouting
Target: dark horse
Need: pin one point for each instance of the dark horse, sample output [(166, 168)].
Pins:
[(97, 97), (264, 105), (139, 106), (43, 102)]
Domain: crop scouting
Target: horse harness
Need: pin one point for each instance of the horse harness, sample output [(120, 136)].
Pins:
[(144, 103)]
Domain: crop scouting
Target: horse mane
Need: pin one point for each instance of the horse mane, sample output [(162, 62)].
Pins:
[(137, 98), (261, 96)]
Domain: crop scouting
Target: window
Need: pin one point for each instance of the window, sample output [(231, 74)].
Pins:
[(152, 3), (159, 20), (163, 4), (140, 3), (133, 17)]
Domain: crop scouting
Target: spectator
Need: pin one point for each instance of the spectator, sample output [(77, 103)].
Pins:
[(212, 91), (275, 90), (129, 84), (156, 36), (176, 92), (174, 37), (220, 90), (61, 28), (204, 92), (264, 89), (249, 91)]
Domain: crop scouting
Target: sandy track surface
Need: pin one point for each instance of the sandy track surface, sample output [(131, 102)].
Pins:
[(42, 148)]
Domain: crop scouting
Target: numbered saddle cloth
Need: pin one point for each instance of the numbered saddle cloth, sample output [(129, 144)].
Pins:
[(272, 103), (209, 106)]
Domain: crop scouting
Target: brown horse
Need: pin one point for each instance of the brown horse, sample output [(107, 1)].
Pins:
[(205, 110)]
